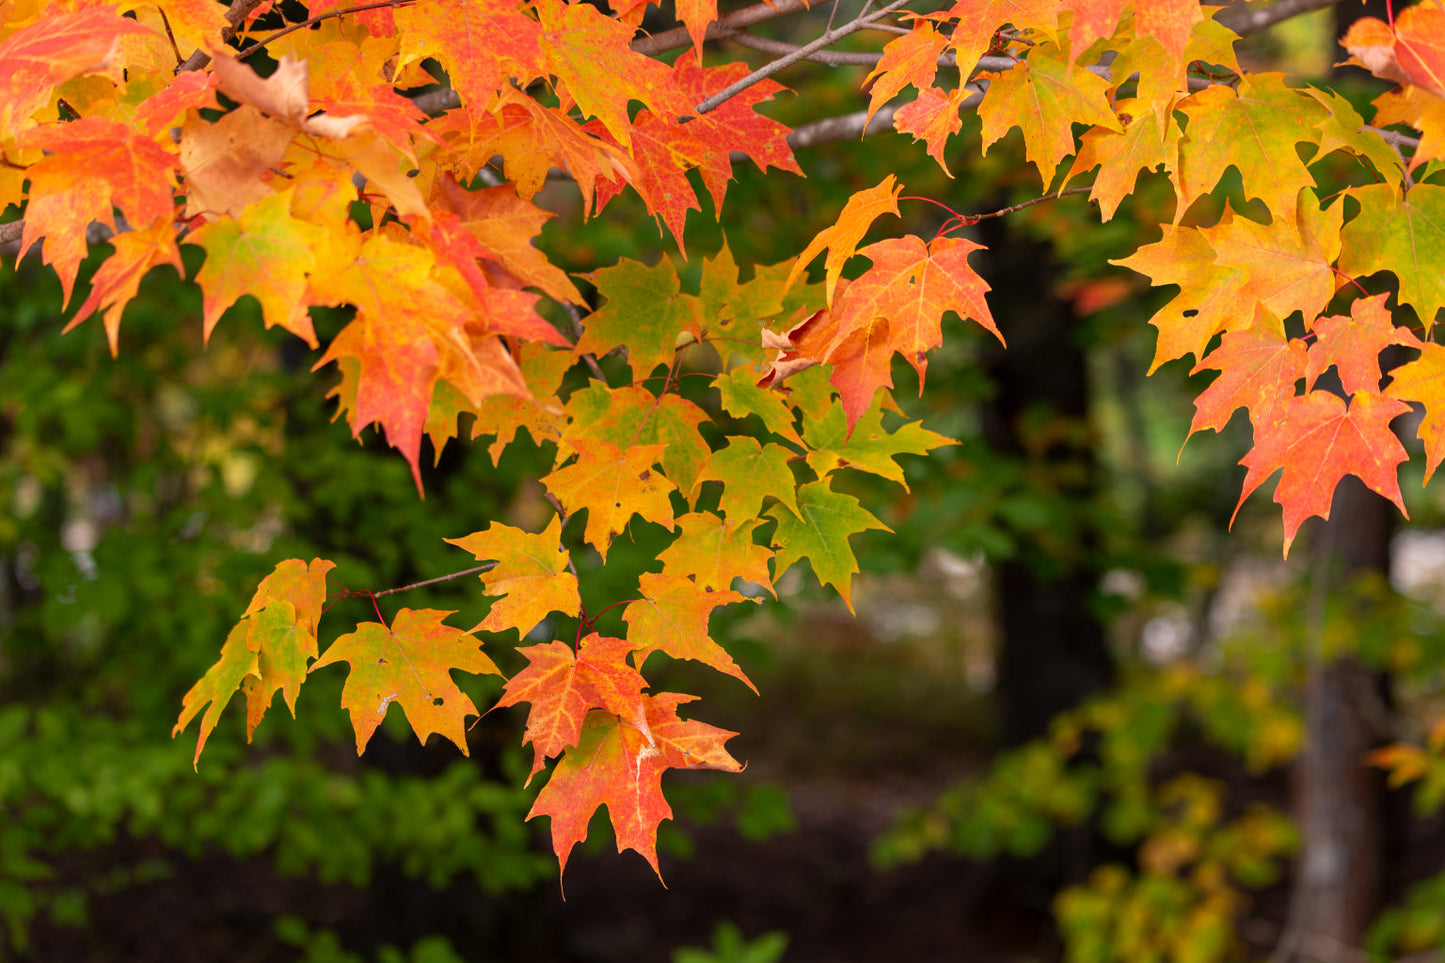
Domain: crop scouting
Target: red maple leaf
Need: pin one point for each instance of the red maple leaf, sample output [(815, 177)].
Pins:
[(1317, 440)]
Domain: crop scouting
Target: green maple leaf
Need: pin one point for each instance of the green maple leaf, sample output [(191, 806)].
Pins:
[(645, 311), (1403, 235), (1044, 96), (870, 447), (819, 531), (750, 472)]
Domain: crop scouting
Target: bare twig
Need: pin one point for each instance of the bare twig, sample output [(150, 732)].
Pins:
[(722, 27), (965, 219), (767, 70), (431, 581)]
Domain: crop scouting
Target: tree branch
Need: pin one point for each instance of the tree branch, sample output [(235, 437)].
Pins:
[(723, 27), (476, 569), (767, 70), (1245, 20), (235, 16)]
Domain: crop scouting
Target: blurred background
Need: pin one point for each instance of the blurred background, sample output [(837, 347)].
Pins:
[(1076, 717)]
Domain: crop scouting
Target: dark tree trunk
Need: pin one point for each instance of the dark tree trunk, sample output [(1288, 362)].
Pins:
[(1053, 652), (1340, 800)]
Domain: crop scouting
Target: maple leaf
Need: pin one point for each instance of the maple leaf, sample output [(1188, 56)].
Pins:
[(563, 686), (750, 473), (502, 415), (531, 575), (644, 311), (118, 279), (714, 551), (1255, 131), (734, 125), (1258, 369), (1168, 21), (482, 44), (1044, 96), (913, 286), (1412, 52), (841, 240), (1093, 20), (1352, 345), (217, 686), (409, 331), (976, 22), (92, 165), (866, 445), (1286, 267), (734, 312), (1208, 292), (1423, 381), (1403, 235), (52, 50), (613, 486), (932, 118), (672, 616), (617, 765), (409, 663), (531, 140), (819, 531), (635, 416), (1344, 129), (228, 164), (1120, 156), (266, 253), (588, 53), (742, 397), (908, 59), (505, 224), (664, 151), (1318, 440), (1414, 107), (266, 650)]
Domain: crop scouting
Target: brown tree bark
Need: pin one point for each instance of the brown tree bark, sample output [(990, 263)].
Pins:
[(1339, 799)]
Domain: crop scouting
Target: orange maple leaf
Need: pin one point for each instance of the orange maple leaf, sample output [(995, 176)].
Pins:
[(841, 240), (612, 485), (563, 686), (1258, 369), (672, 616), (1352, 345), (1422, 381), (1317, 440), (1412, 52), (618, 765)]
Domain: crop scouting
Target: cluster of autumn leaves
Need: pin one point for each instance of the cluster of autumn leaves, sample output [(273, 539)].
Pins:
[(319, 180)]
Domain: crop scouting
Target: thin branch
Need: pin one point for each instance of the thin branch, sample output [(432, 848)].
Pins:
[(966, 219), (431, 581), (831, 58), (1245, 19), (767, 70), (304, 24), (723, 27)]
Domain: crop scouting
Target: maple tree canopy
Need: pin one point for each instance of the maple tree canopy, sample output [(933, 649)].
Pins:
[(297, 157)]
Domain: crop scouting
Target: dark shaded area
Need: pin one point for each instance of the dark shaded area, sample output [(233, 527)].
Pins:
[(1052, 652)]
